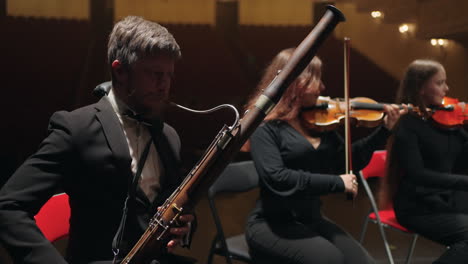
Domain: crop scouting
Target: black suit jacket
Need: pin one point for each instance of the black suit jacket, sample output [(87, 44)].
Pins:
[(86, 155)]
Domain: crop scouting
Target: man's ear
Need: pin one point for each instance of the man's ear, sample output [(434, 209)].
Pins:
[(120, 73)]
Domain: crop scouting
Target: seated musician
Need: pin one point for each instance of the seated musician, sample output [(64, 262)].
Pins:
[(427, 165), (95, 152), (297, 166)]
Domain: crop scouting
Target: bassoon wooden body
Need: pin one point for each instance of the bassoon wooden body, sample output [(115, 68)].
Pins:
[(226, 144)]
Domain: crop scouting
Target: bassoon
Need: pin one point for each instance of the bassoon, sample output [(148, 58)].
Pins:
[(226, 144)]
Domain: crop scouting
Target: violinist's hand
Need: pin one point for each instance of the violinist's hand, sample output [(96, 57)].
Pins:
[(351, 184), (393, 113), (178, 233)]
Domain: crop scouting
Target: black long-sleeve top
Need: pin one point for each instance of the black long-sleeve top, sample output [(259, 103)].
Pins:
[(433, 162), (293, 174)]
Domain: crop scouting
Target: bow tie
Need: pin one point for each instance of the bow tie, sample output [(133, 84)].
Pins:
[(155, 125), (137, 117)]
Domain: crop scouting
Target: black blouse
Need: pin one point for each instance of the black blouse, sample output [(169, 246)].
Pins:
[(434, 163), (293, 174)]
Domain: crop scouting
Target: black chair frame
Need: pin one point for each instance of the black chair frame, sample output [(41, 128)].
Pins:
[(236, 178)]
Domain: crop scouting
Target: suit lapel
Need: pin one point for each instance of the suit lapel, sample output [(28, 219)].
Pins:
[(116, 140), (114, 134)]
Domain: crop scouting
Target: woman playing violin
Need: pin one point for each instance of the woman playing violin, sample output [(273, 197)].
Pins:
[(296, 166), (428, 165)]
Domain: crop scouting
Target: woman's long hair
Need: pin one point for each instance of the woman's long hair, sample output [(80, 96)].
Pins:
[(416, 76), (290, 103)]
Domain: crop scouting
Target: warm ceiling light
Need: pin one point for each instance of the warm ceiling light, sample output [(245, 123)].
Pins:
[(403, 28), (376, 14), (438, 42)]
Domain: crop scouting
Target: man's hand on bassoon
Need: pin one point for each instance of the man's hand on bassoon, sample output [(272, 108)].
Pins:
[(180, 232)]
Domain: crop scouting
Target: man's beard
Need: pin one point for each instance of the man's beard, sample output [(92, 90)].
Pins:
[(155, 111)]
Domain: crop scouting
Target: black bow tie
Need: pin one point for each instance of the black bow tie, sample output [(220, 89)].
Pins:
[(137, 117), (154, 125)]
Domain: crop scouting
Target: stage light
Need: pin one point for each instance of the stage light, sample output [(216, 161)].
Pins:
[(376, 14), (404, 28)]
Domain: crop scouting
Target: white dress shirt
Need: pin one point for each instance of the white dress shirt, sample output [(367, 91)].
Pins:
[(137, 136)]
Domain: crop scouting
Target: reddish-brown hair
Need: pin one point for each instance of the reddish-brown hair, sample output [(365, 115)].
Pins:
[(290, 103)]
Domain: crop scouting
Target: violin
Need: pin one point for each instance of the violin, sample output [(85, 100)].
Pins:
[(455, 113), (329, 113)]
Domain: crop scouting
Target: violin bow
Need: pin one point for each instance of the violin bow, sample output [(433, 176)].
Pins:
[(348, 147)]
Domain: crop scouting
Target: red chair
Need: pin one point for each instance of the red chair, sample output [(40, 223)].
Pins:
[(383, 218), (54, 217)]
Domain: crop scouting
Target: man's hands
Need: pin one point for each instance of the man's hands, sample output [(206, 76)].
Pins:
[(178, 233)]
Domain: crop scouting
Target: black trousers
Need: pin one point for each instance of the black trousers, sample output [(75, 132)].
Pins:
[(448, 227), (314, 243)]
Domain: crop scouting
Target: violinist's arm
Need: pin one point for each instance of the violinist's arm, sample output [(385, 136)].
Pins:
[(365, 147), (280, 179), (408, 141)]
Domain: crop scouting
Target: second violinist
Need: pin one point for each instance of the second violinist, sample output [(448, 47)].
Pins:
[(296, 166), (428, 166)]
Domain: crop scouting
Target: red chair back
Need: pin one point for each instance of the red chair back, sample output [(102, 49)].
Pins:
[(383, 218), (54, 217), (376, 166)]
